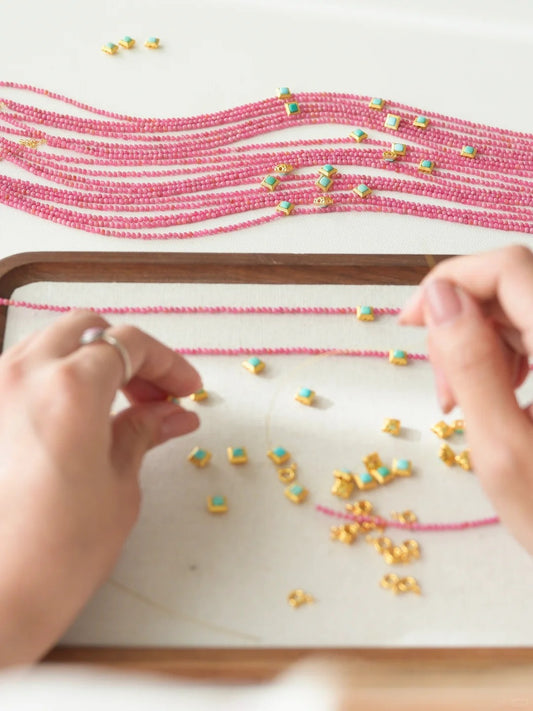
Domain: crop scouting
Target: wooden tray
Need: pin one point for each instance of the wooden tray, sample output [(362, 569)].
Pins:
[(249, 664)]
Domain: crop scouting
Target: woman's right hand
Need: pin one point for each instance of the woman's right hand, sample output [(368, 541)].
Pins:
[(479, 313)]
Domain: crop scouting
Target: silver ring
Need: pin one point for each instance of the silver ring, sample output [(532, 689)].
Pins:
[(94, 335)]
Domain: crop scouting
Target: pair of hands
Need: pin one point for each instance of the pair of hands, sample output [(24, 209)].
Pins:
[(69, 492)]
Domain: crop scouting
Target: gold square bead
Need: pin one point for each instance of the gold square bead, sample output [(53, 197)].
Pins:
[(199, 395), (152, 43), (324, 183), (468, 152), (401, 467), (323, 201), (463, 460), (365, 313), (270, 182), (217, 504), (292, 108), (365, 481), (283, 168), (237, 455), (343, 485), (358, 135), (199, 457), (383, 475), (397, 357), (253, 365), (346, 533), (362, 190), (391, 426), (426, 166), (399, 148), (447, 455), (305, 396), (372, 461), (127, 42), (392, 121), (376, 104), (458, 426), (442, 429), (279, 455), (421, 122), (110, 48), (296, 493), (285, 207), (283, 92)]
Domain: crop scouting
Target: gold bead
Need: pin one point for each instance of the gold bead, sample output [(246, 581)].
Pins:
[(463, 460), (360, 508), (296, 493), (447, 455), (372, 462), (442, 430), (287, 474), (365, 313), (391, 426), (237, 455), (217, 504), (299, 597), (199, 457), (199, 395)]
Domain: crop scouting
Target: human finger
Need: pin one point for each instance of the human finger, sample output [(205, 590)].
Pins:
[(504, 276), (139, 428), (150, 360)]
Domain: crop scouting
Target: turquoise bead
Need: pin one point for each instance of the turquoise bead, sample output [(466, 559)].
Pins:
[(399, 354), (362, 188), (468, 149), (296, 489), (366, 310), (217, 500), (377, 102), (383, 471), (391, 121), (426, 163), (280, 452), (328, 168), (293, 108), (366, 478), (254, 360), (324, 181), (285, 204), (402, 464), (270, 180), (359, 132), (153, 40), (304, 392), (238, 452), (284, 90), (399, 147), (200, 454)]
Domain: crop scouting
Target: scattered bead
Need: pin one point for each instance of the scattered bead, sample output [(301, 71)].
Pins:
[(283, 92), (199, 457), (110, 48), (362, 190), (421, 122), (404, 516), (376, 104), (360, 508), (217, 504), (199, 395), (269, 182), (458, 426), (398, 357), (442, 429), (365, 481), (174, 399), (400, 585), (298, 597), (287, 474), (285, 207), (237, 455), (447, 455), (391, 426), (279, 455), (468, 152), (389, 156), (305, 396), (383, 475), (365, 313), (358, 135), (463, 460), (253, 365), (127, 42), (392, 121), (372, 461), (292, 108), (152, 43), (401, 467), (343, 484), (346, 533), (324, 183), (426, 166), (296, 493)]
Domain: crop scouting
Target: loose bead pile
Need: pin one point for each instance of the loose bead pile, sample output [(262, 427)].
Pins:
[(110, 166)]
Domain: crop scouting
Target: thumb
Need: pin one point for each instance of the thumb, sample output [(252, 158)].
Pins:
[(467, 349), (141, 427)]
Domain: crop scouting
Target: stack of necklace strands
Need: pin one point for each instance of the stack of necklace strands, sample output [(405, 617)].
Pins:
[(152, 178)]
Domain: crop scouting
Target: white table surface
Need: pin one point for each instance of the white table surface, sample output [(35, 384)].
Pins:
[(465, 59)]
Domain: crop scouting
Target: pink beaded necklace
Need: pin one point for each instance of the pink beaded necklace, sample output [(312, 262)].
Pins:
[(463, 172)]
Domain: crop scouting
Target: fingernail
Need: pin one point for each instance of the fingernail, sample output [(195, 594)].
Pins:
[(443, 301)]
